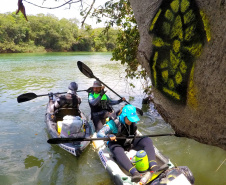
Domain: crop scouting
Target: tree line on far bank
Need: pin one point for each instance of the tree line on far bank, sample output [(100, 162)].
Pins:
[(48, 33)]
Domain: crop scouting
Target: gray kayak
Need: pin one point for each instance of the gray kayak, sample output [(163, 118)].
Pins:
[(55, 123)]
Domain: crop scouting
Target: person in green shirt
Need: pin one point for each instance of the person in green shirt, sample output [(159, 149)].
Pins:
[(100, 105)]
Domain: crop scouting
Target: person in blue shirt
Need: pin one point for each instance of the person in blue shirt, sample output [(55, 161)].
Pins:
[(125, 125), (100, 105)]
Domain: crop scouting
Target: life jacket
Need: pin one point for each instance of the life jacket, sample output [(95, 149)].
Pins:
[(69, 101), (125, 130), (102, 105)]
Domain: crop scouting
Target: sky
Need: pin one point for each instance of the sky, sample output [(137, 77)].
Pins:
[(63, 12)]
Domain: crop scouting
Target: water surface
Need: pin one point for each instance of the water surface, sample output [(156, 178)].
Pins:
[(25, 156)]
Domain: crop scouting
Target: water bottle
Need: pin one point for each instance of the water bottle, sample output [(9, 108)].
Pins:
[(145, 178), (141, 161)]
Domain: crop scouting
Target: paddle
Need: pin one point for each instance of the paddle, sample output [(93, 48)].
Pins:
[(30, 96), (71, 140), (88, 72)]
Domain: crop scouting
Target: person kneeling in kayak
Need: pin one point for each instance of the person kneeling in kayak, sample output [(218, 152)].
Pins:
[(100, 105), (70, 100), (125, 125)]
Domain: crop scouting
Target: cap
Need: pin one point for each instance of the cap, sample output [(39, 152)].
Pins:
[(129, 111), (96, 84), (73, 86)]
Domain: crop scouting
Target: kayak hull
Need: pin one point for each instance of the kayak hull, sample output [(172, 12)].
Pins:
[(75, 148)]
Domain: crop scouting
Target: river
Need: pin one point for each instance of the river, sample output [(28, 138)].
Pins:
[(27, 159)]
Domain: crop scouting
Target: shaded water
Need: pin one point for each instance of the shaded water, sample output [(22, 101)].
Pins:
[(25, 156)]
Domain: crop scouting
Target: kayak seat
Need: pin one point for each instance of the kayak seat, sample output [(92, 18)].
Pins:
[(60, 113)]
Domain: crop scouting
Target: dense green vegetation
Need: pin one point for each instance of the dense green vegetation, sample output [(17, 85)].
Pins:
[(48, 33), (120, 14)]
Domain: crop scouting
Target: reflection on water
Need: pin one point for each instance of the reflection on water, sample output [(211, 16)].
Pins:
[(25, 156), (31, 161)]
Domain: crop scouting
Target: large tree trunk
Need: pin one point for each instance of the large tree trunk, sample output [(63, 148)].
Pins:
[(197, 107)]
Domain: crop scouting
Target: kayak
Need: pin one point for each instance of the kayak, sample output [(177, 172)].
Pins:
[(168, 174), (68, 123)]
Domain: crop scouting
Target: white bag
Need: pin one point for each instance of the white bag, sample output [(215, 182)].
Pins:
[(71, 125)]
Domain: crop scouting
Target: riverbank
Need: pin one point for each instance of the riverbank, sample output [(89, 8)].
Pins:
[(47, 33), (11, 47)]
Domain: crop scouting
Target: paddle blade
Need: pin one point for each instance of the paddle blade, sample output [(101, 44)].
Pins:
[(85, 69), (71, 140), (26, 97), (139, 111), (60, 140)]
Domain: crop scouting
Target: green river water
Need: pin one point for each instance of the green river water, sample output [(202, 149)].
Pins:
[(27, 159)]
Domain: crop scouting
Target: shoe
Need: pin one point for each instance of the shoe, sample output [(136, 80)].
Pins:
[(136, 178)]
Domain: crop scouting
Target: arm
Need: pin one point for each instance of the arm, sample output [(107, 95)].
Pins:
[(59, 101), (94, 101), (109, 128), (79, 100), (104, 131), (114, 102)]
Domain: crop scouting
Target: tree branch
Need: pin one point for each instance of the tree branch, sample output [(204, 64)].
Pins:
[(91, 6), (68, 2)]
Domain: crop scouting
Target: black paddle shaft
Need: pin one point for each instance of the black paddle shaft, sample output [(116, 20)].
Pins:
[(111, 90), (88, 72), (139, 110), (71, 140), (30, 96)]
